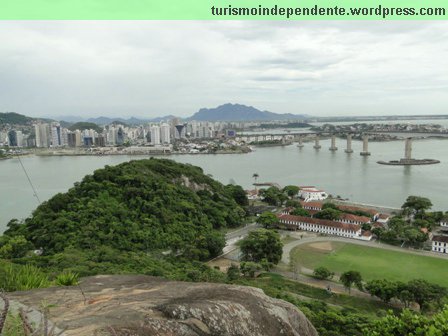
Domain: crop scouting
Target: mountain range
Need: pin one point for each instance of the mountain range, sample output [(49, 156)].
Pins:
[(226, 112), (238, 112)]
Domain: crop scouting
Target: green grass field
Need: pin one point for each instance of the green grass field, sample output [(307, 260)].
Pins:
[(372, 263)]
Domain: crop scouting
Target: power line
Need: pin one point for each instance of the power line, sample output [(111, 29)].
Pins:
[(26, 173)]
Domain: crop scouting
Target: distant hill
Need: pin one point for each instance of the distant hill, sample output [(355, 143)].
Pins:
[(13, 118), (129, 121), (238, 112), (83, 125)]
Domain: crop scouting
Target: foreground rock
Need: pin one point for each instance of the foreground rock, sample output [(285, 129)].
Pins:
[(143, 305)]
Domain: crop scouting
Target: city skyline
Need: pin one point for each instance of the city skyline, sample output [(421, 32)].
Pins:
[(152, 69)]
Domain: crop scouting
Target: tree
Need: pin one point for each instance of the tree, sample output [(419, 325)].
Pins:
[(255, 176), (267, 219), (248, 268), (414, 237), (238, 194), (273, 196), (383, 289), (291, 190), (293, 203), (323, 273), (329, 213), (300, 212), (349, 278), (409, 323), (423, 292), (416, 205), (233, 272), (14, 247), (329, 205), (260, 244)]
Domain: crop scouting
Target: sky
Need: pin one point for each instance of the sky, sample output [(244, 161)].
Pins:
[(157, 68)]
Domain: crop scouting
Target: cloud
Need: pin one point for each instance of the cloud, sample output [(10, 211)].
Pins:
[(153, 68)]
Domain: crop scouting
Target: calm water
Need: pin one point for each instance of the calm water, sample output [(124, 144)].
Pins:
[(352, 176)]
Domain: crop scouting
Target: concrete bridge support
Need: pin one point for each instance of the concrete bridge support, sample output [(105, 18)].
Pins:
[(349, 149), (316, 142), (333, 143), (408, 149), (365, 146), (300, 144)]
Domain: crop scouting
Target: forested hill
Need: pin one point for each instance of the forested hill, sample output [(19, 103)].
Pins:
[(139, 206)]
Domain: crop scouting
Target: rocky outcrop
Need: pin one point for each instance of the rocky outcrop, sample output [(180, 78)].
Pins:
[(142, 305)]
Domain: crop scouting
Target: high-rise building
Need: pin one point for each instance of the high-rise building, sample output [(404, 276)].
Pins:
[(42, 135), (120, 136), (155, 135), (78, 138), (12, 138), (71, 139), (165, 136), (56, 135)]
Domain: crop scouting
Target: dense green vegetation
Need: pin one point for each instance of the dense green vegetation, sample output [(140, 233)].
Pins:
[(14, 118), (151, 216), (162, 218), (83, 125)]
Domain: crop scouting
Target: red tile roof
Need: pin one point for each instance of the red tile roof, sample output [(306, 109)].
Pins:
[(442, 239), (366, 233), (311, 204), (354, 218), (354, 208), (323, 222)]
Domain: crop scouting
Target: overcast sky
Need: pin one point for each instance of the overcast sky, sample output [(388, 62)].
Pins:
[(150, 68)]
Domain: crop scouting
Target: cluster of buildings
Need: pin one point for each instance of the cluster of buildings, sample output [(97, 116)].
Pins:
[(347, 225), (52, 134)]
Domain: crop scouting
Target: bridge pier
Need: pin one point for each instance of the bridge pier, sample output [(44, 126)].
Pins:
[(408, 149), (349, 149), (365, 146), (333, 143), (316, 143), (300, 144)]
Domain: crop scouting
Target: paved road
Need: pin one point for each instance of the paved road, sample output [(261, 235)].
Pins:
[(288, 247), (234, 236)]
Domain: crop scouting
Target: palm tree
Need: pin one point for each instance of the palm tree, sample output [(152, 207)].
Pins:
[(255, 176)]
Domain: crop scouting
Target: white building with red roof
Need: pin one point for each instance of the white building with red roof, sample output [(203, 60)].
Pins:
[(353, 219), (323, 226), (311, 193), (440, 244)]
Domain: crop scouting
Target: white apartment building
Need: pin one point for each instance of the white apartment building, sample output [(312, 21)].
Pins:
[(165, 136), (155, 135)]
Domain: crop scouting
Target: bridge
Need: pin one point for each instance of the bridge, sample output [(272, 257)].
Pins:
[(315, 136)]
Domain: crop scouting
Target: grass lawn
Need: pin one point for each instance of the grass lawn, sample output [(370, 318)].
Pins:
[(275, 285), (372, 263)]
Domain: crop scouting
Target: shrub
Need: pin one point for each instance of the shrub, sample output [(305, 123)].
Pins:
[(67, 278), (323, 273), (21, 278)]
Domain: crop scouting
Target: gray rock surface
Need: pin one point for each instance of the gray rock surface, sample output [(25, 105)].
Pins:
[(143, 305)]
